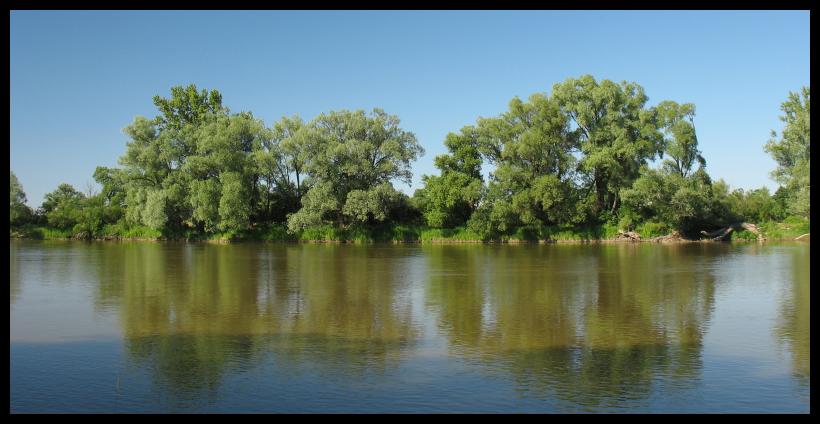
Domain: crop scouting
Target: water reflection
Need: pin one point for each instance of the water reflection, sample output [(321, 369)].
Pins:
[(194, 313), (15, 282), (567, 328), (794, 321), (594, 325)]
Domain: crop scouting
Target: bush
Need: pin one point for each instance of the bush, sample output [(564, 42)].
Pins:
[(652, 229), (463, 234)]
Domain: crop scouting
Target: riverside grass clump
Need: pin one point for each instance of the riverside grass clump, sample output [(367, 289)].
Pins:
[(229, 177), (789, 229), (40, 233)]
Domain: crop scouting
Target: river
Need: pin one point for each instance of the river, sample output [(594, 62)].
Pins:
[(190, 327)]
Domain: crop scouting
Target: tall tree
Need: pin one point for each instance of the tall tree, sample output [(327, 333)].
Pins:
[(158, 178), (19, 212), (353, 158), (681, 143), (617, 134), (792, 151), (532, 147), (676, 194), (449, 199), (187, 105), (280, 162), (62, 207), (222, 171)]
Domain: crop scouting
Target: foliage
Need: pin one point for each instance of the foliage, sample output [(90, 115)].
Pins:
[(19, 213), (792, 151), (534, 180), (570, 165), (450, 199), (616, 133), (353, 158)]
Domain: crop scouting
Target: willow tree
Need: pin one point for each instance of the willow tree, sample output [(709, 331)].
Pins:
[(449, 199), (222, 175), (680, 142), (536, 160), (792, 152), (677, 194), (19, 212), (157, 186), (353, 159), (617, 134), (532, 147), (62, 207), (280, 162)]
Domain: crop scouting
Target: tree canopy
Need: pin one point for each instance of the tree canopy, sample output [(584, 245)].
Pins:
[(792, 151), (578, 157)]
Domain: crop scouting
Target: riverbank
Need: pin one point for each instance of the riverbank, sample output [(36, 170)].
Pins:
[(396, 234)]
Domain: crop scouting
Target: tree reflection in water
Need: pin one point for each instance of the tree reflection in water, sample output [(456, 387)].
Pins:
[(592, 325), (195, 313), (793, 329)]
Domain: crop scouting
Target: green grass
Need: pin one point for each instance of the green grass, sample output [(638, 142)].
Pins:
[(321, 233), (438, 235), (533, 233), (743, 235), (789, 228), (385, 233), (272, 233), (400, 233), (40, 233), (652, 229), (124, 231)]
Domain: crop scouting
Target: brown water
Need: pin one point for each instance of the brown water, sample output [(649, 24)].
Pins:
[(175, 327)]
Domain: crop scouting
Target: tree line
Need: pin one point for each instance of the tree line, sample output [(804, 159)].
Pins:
[(579, 157)]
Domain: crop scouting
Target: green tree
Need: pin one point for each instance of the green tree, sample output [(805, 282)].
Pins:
[(449, 199), (532, 147), (157, 175), (145, 169), (63, 207), (280, 162), (353, 152), (234, 204), (617, 134), (222, 175), (681, 144), (19, 212), (792, 151), (674, 195), (187, 106)]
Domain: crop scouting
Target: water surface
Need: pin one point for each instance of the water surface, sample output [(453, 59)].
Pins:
[(176, 327)]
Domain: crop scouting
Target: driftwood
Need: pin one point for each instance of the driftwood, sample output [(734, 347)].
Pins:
[(674, 236), (723, 233), (801, 237), (629, 235)]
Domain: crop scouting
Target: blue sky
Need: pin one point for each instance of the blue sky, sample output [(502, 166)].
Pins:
[(78, 78)]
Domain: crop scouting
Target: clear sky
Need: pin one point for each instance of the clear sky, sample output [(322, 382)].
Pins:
[(78, 78)]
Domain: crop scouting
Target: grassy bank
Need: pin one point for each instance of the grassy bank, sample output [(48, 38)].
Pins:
[(789, 229), (391, 233)]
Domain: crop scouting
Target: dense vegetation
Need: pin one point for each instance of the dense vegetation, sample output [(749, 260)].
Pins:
[(573, 164)]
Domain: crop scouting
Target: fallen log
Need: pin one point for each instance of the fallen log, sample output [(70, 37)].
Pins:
[(801, 237), (722, 233), (674, 236), (718, 234), (631, 235)]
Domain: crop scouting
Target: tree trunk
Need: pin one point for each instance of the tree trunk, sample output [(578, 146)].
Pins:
[(723, 233), (674, 236)]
